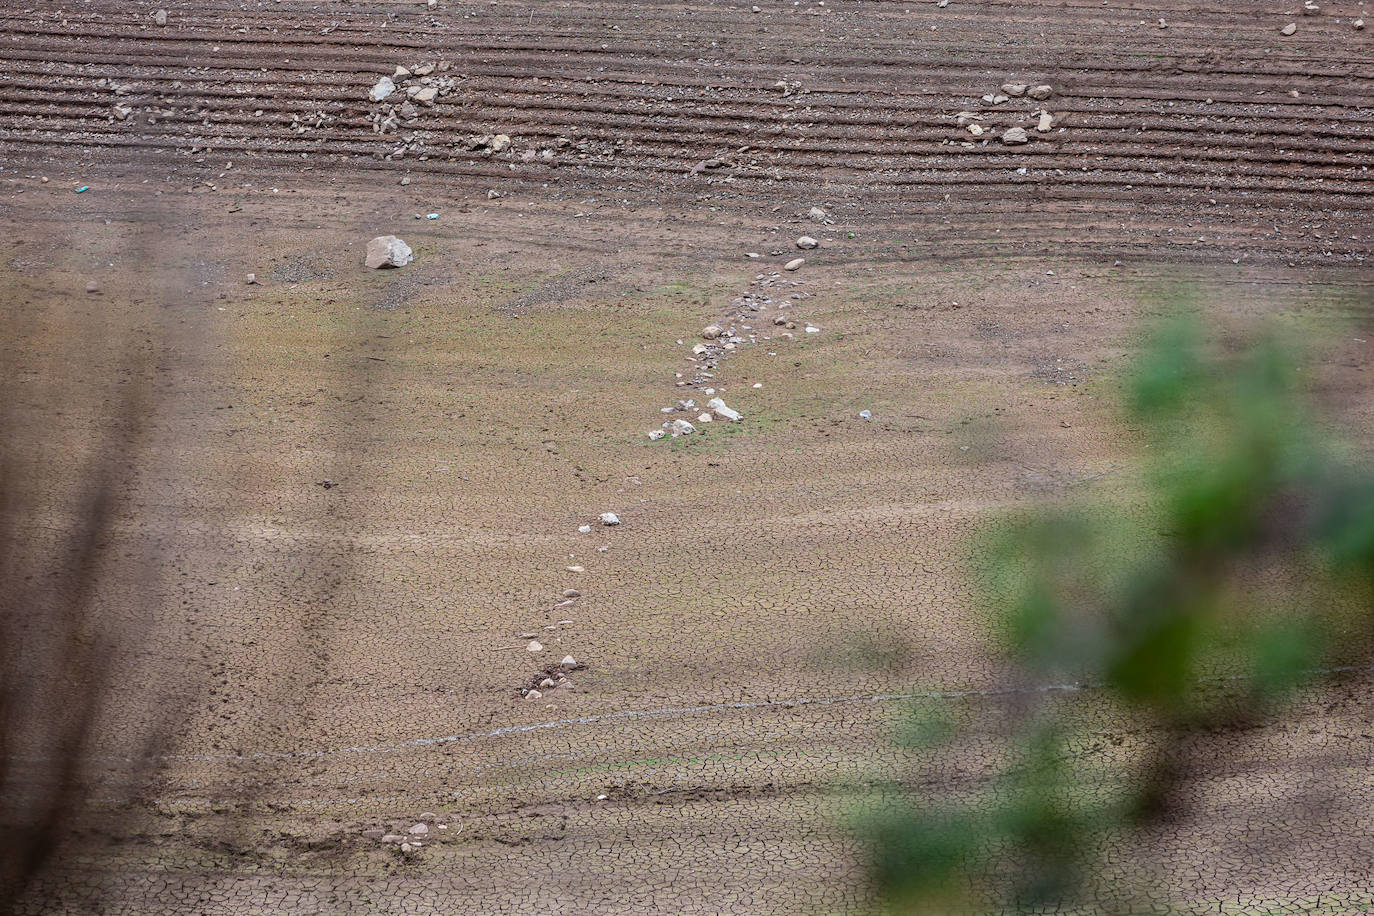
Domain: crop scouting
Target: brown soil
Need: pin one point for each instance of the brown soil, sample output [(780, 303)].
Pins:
[(361, 487)]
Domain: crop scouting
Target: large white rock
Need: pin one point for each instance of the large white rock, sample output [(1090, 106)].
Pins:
[(388, 251), (683, 428), (717, 406), (609, 519)]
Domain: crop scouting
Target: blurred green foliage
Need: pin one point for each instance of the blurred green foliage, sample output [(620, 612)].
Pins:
[(1245, 568)]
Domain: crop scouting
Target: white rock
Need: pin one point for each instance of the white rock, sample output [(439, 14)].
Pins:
[(816, 213), (794, 264), (1015, 136), (587, 529), (1039, 93), (700, 349), (400, 74), (865, 415), (653, 434), (406, 847), (533, 695), (812, 329), (427, 95), (418, 830), (535, 646), (704, 418), (683, 428), (499, 142), (1289, 29), (388, 251), (609, 519), (383, 88), (572, 592), (568, 662), (160, 17), (711, 331), (807, 241), (717, 406), (1015, 90), (1046, 121)]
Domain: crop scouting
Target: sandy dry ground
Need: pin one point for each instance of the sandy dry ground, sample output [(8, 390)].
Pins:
[(361, 488)]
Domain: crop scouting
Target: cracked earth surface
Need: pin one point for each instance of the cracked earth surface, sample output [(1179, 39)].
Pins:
[(366, 488)]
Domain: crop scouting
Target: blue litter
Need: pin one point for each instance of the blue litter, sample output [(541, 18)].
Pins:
[(432, 216), (84, 187)]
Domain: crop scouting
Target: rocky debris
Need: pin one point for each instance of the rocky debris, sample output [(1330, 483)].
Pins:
[(712, 331), (865, 415), (682, 428), (418, 830), (1289, 29), (535, 646), (160, 17), (532, 694), (704, 417), (656, 434), (1015, 90), (572, 592), (1309, 8), (388, 251), (816, 214), (393, 838), (609, 519), (1015, 136), (722, 412), (794, 264), (381, 89), (1046, 122), (1359, 24), (251, 279), (807, 242), (1040, 93), (425, 95), (92, 287), (568, 663)]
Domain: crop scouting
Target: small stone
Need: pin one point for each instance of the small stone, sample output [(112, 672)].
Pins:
[(388, 251), (865, 415), (406, 847), (535, 646), (975, 129), (572, 592), (92, 286), (576, 569), (807, 241), (400, 74), (655, 434), (418, 830), (492, 195), (609, 519), (815, 213), (1039, 93), (1289, 29), (533, 695), (704, 418), (1015, 90), (251, 279), (392, 838), (794, 264), (1359, 24), (499, 143), (383, 88), (427, 815), (547, 683), (586, 529), (568, 662), (683, 428), (1046, 122), (1014, 136), (405, 181), (711, 331), (427, 95), (160, 17), (812, 329), (373, 833)]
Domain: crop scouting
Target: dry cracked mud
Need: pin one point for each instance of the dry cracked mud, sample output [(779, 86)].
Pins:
[(362, 490)]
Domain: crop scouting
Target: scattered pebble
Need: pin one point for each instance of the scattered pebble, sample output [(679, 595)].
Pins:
[(1289, 29), (794, 264)]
